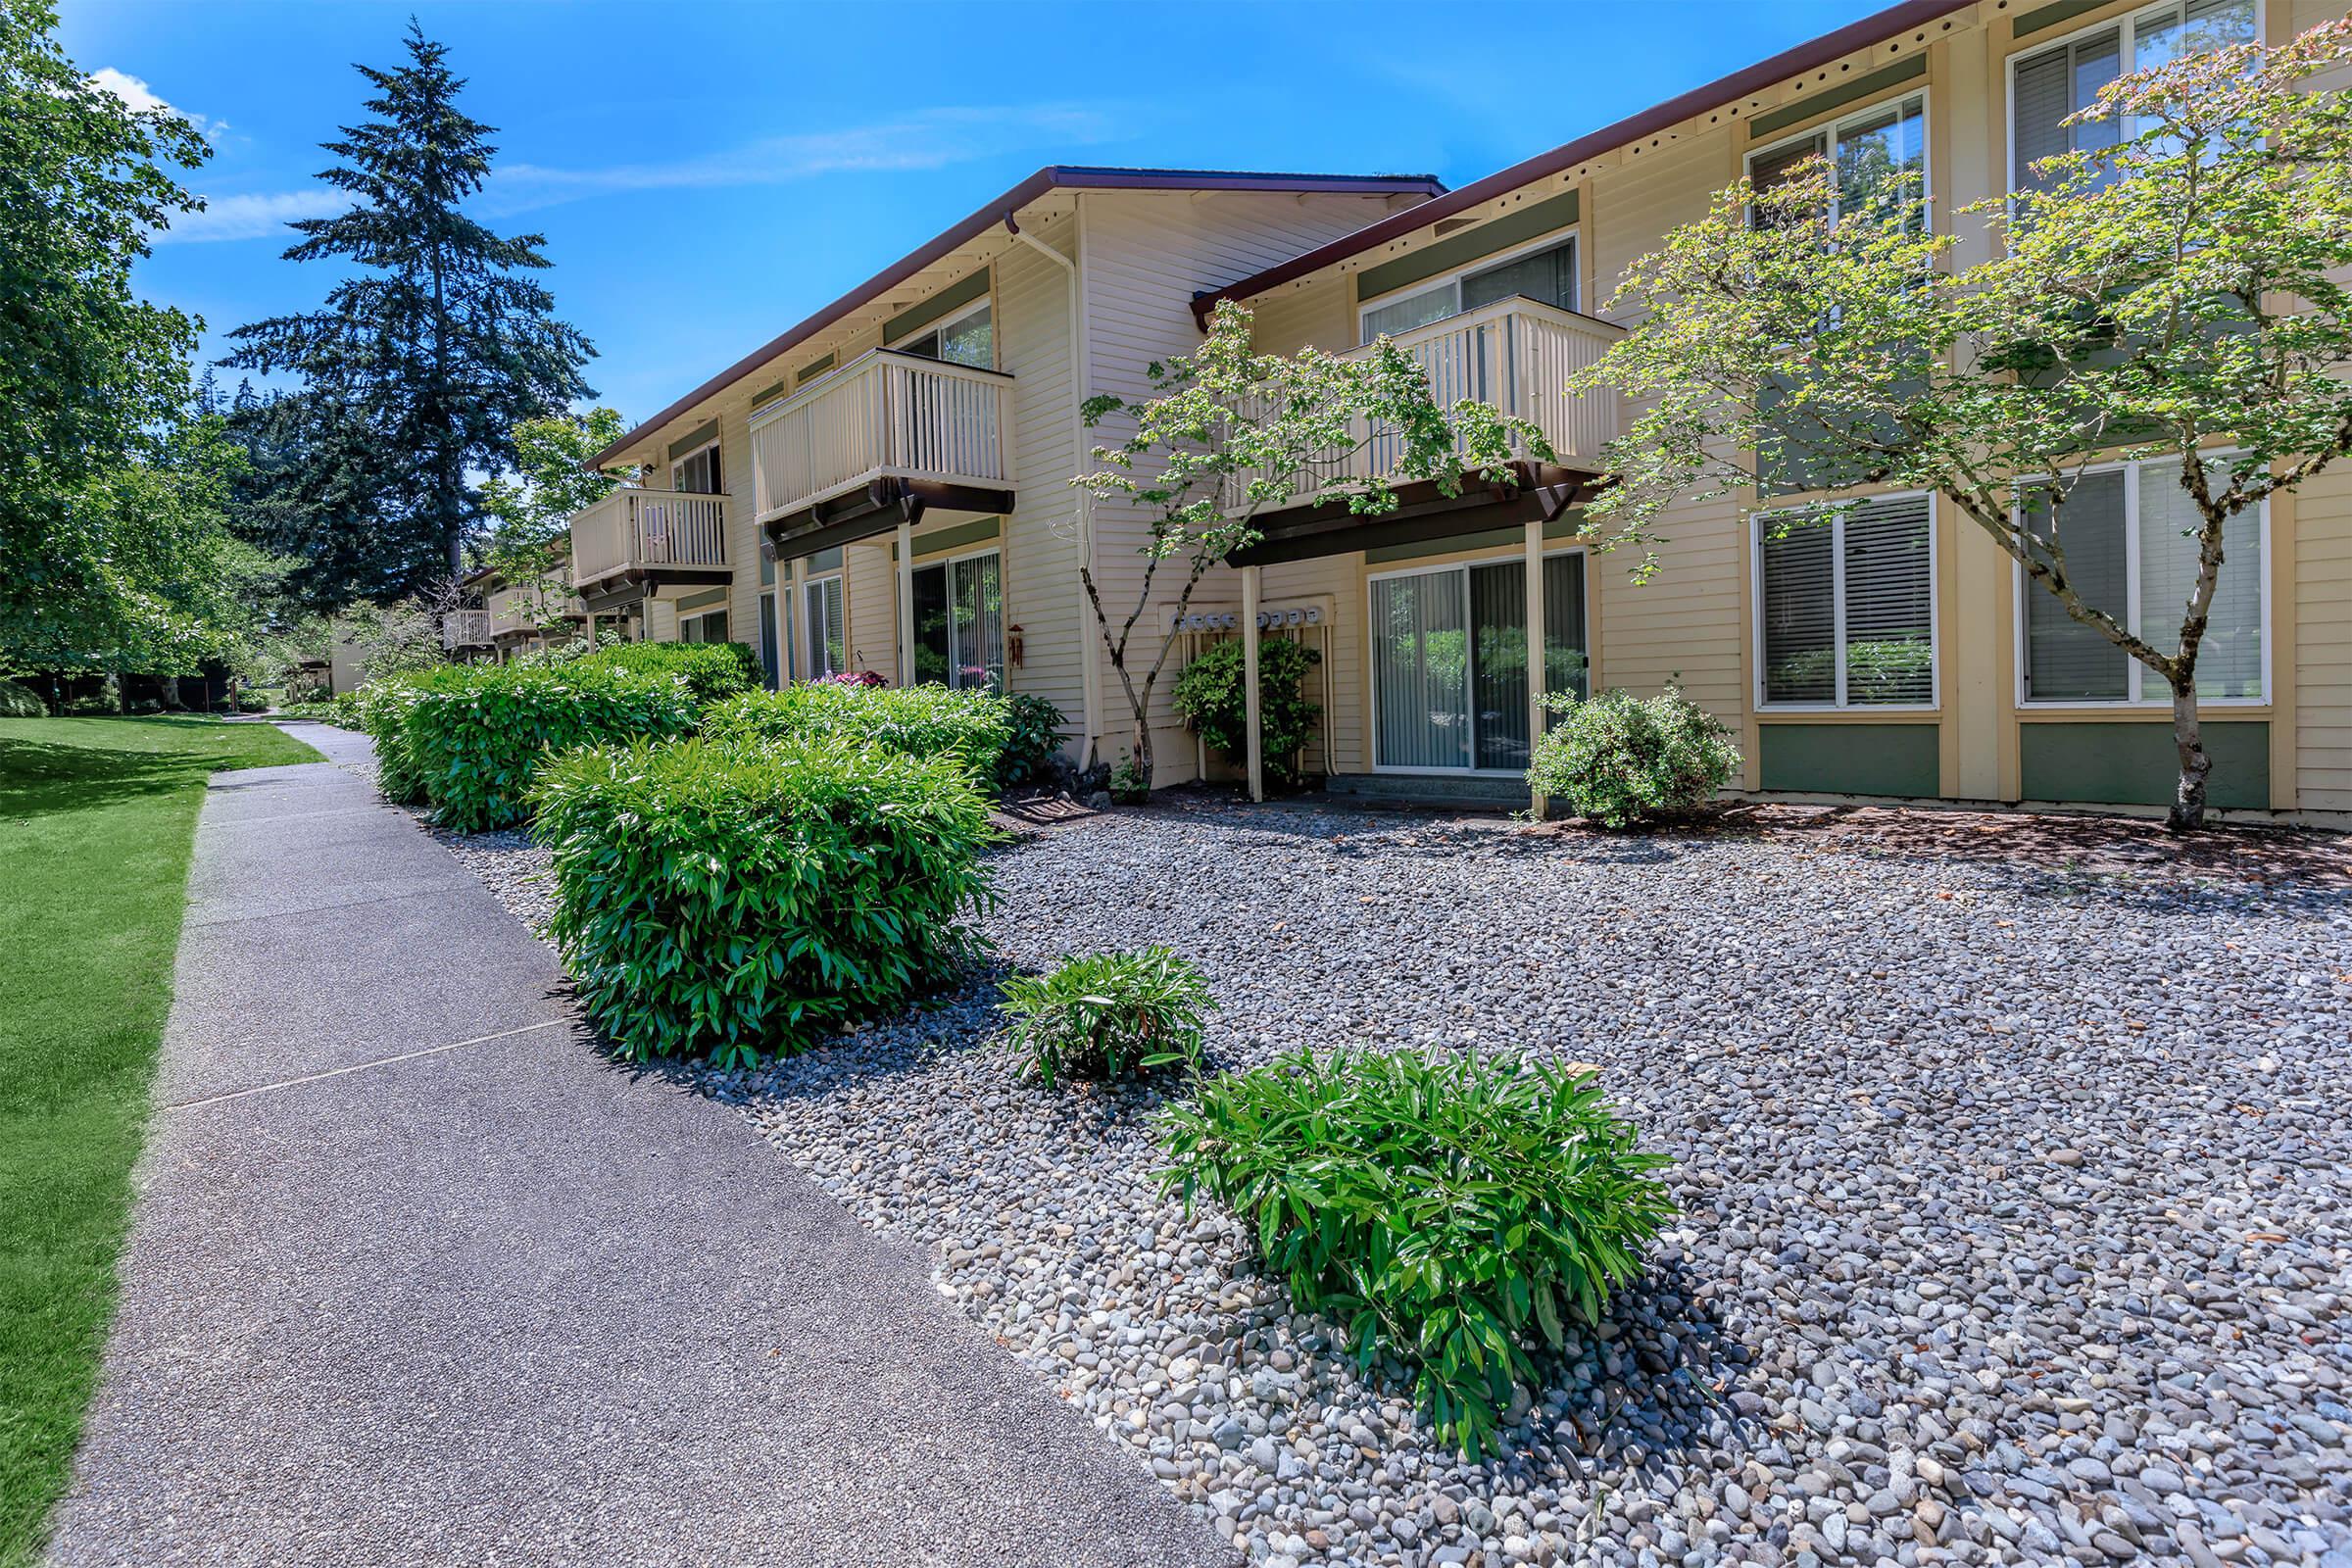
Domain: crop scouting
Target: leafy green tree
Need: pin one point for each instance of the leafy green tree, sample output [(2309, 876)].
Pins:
[(2172, 296), (93, 378), (438, 339), (1229, 433), (312, 489), (530, 534)]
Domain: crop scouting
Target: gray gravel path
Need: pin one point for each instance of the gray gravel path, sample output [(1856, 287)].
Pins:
[(419, 1278)]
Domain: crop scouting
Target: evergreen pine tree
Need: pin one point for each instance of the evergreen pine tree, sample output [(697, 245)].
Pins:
[(420, 363)]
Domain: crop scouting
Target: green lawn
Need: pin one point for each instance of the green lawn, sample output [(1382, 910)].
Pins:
[(96, 818)]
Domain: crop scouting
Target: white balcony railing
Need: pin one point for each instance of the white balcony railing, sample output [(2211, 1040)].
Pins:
[(464, 629), (1516, 354), (632, 529), (884, 414), (524, 609)]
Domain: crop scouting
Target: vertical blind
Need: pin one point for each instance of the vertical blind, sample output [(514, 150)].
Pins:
[(1421, 669), (2065, 660), (1848, 605), (1450, 661), (979, 601), (827, 655), (2229, 659)]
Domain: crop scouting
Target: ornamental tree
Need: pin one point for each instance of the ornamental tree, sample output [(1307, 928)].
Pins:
[(2170, 296), (530, 514), (1229, 433)]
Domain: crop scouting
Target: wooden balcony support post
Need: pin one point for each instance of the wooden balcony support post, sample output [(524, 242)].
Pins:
[(1250, 705), (1538, 647), (906, 600)]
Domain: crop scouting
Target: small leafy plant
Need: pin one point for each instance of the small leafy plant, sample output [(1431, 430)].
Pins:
[(1211, 697), (1131, 781), (1109, 1016), (1034, 735), (1622, 760), (1450, 1212)]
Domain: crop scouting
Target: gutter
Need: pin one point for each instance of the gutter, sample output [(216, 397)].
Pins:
[(1871, 30)]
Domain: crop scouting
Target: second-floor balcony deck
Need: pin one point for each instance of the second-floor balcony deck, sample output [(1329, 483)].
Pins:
[(1515, 355), (889, 426), (635, 536), (523, 609), (464, 629)]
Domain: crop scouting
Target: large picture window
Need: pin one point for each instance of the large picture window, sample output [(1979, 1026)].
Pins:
[(959, 622), (2129, 538), (1846, 612), (1867, 149), (1545, 273), (1450, 661), (2051, 83)]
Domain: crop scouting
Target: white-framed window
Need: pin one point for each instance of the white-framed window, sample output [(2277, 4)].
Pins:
[(1866, 148), (828, 651), (697, 473), (2129, 531), (1845, 605), (710, 626), (966, 337), (2051, 81), (959, 622), (1544, 270), (1450, 661)]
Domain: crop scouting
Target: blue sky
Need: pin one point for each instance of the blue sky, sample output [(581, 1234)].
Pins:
[(708, 174)]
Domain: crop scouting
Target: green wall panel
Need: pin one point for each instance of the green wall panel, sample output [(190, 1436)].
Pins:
[(1886, 80), (2044, 18), (2134, 764), (1460, 250), (914, 318), (694, 440), (1897, 760)]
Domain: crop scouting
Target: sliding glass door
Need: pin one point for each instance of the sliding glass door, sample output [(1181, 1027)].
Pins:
[(1450, 661), (959, 622)]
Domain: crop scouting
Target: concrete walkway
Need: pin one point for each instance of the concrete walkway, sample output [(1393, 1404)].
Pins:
[(419, 1278)]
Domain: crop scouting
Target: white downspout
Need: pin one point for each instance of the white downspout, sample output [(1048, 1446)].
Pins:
[(1088, 676)]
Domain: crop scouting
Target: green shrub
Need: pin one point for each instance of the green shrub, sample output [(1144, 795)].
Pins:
[(1449, 1212), (1035, 736), (1622, 758), (739, 900), (713, 672), (1109, 1016), (381, 707), (1211, 698), (478, 735), (21, 702), (922, 721)]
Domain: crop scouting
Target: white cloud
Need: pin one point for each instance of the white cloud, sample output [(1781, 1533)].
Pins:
[(136, 93), (931, 138), (251, 217)]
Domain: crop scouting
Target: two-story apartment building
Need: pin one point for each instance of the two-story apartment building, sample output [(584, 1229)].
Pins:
[(884, 487), (904, 453)]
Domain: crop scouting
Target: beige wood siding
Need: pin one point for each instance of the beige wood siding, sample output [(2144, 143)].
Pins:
[(1041, 536), (1148, 253)]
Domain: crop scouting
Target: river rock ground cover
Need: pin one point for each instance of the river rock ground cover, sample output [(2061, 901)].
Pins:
[(2014, 1173)]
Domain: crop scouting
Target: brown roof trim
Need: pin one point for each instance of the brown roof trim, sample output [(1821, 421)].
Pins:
[(1875, 29), (1056, 177)]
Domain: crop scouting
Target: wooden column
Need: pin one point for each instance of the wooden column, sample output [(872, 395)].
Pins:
[(1250, 694), (1535, 646), (906, 602)]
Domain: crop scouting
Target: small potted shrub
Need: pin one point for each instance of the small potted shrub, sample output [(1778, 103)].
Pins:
[(1211, 697), (1623, 760), (1109, 1016)]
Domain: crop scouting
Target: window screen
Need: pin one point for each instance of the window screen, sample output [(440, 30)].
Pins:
[(2065, 660)]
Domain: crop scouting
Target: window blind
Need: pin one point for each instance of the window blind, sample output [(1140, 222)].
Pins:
[(1547, 275), (1800, 609), (1890, 595), (2230, 661), (1420, 666), (2065, 659)]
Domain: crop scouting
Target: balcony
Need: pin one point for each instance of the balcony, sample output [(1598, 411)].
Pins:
[(648, 537), (876, 441), (1516, 354), (464, 629), (523, 609)]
